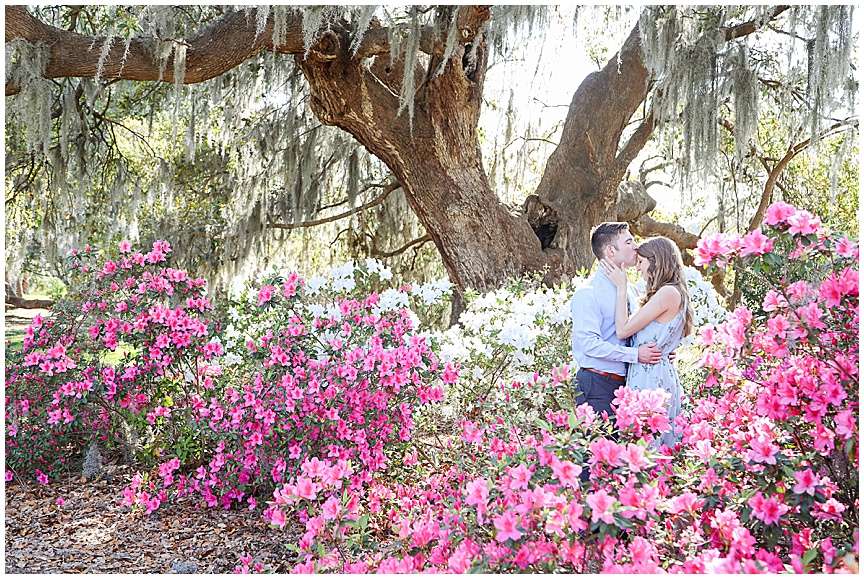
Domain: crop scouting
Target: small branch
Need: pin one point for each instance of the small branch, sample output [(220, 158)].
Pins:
[(403, 249), (363, 190), (644, 171), (756, 221), (746, 28), (390, 188), (545, 106), (526, 139), (635, 144)]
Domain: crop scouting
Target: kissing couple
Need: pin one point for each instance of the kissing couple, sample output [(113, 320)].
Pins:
[(620, 338)]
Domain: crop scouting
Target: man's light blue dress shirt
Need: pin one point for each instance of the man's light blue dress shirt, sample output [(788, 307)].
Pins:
[(595, 344)]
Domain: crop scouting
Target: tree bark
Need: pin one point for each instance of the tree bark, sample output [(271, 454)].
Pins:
[(436, 159), (579, 186)]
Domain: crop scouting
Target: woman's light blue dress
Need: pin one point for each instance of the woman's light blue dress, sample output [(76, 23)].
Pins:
[(663, 374)]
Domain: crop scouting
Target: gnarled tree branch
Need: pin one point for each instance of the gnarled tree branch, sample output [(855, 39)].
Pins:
[(213, 51), (383, 254), (379, 199)]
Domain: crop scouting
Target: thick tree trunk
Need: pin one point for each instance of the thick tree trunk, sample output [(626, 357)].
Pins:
[(580, 186), (436, 158)]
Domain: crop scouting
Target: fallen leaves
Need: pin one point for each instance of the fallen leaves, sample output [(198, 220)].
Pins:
[(90, 533)]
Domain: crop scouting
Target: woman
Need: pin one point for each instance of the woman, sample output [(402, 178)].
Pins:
[(665, 317)]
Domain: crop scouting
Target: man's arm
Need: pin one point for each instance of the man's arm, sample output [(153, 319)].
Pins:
[(586, 332)]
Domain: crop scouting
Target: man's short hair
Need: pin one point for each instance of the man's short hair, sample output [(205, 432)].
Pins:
[(605, 234)]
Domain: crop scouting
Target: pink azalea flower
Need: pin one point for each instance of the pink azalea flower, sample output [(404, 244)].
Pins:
[(767, 510), (763, 450), (756, 243), (450, 373), (567, 472), (331, 508), (605, 451), (574, 516), (128, 495), (470, 432), (642, 551), (722, 245), (846, 248), (845, 424), (778, 213), (277, 517), (9, 475), (478, 493), (600, 503), (803, 222), (306, 489), (555, 523), (828, 550), (265, 294), (41, 477), (806, 482), (802, 542), (519, 477), (773, 300), (506, 524)]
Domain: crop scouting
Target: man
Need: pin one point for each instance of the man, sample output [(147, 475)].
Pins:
[(601, 356)]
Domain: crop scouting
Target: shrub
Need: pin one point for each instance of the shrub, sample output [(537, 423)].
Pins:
[(111, 364)]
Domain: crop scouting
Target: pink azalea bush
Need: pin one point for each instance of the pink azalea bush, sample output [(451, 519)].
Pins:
[(321, 392), (782, 417), (62, 393), (514, 503), (304, 404)]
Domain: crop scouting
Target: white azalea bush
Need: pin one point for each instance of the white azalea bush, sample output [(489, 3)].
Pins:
[(505, 341), (514, 348)]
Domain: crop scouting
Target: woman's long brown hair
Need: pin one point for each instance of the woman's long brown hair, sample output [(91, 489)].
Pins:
[(665, 267)]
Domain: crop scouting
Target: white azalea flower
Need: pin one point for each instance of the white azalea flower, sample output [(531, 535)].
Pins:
[(314, 285), (343, 271), (343, 284), (316, 310), (390, 299), (373, 265)]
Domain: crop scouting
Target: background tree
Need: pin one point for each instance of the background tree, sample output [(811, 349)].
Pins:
[(405, 86)]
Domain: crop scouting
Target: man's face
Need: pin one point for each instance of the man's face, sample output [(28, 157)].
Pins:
[(624, 250)]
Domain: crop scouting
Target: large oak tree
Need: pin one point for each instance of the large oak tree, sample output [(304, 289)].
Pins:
[(431, 145)]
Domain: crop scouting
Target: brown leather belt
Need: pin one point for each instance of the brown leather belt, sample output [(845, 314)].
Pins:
[(621, 379)]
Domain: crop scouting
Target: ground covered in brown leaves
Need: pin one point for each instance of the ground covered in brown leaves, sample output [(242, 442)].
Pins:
[(91, 533)]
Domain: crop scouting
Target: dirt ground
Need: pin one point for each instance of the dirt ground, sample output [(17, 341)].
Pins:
[(91, 533)]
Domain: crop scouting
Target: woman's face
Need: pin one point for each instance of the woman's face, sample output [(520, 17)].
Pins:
[(642, 264)]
